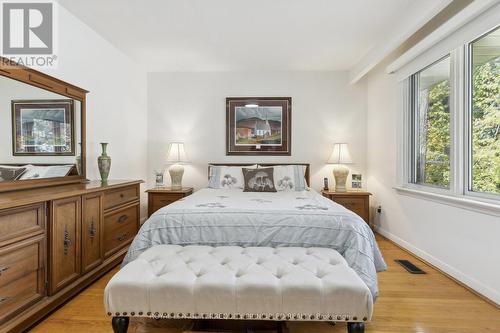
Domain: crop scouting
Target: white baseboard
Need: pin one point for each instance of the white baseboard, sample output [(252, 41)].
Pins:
[(478, 287)]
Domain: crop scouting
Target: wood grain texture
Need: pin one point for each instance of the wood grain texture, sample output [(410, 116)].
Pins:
[(64, 240), (356, 201), (92, 231), (27, 197), (162, 196), (22, 275), (430, 303)]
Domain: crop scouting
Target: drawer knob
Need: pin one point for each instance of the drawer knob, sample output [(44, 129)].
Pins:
[(4, 298), (4, 269), (121, 195), (122, 218), (122, 237)]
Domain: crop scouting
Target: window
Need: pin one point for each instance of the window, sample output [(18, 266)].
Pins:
[(430, 125), (484, 114)]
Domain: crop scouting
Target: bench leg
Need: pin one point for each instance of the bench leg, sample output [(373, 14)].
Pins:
[(282, 327), (120, 324), (356, 327)]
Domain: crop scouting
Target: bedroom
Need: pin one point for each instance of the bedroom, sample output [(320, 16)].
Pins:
[(401, 95)]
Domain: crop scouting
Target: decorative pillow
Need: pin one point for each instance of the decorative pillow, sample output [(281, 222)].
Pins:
[(259, 180), (289, 177), (9, 174), (38, 172), (227, 177)]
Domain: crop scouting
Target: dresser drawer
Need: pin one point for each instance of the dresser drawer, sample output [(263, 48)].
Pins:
[(22, 276), (357, 205), (22, 222), (351, 203), (161, 200), (117, 197), (120, 227), (17, 263)]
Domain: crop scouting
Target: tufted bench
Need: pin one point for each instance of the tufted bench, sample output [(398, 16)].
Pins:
[(231, 282)]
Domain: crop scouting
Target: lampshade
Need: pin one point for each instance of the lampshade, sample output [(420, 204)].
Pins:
[(176, 153), (340, 154)]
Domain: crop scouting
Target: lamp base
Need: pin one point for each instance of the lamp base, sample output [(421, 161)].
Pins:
[(176, 172), (340, 174)]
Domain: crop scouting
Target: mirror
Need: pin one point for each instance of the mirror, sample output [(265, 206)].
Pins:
[(40, 135)]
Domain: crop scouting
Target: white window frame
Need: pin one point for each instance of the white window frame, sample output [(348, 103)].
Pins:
[(411, 132), (458, 193), (468, 123)]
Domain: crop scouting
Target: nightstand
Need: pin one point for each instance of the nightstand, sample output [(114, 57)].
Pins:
[(357, 201), (159, 197)]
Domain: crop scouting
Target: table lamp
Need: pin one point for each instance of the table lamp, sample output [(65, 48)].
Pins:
[(177, 157), (339, 157)]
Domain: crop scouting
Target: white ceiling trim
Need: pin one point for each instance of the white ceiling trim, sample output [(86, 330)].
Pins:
[(376, 55), (463, 17)]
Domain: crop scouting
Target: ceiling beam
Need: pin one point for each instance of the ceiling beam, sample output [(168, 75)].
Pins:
[(400, 35)]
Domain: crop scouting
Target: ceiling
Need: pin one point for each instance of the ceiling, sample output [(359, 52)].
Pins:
[(211, 35)]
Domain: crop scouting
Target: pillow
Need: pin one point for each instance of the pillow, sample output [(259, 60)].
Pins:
[(38, 172), (259, 180), (8, 174), (227, 177), (289, 177)]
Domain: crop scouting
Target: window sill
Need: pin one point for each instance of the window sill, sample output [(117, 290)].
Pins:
[(455, 201)]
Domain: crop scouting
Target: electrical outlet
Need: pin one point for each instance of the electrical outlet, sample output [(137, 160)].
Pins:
[(379, 209)]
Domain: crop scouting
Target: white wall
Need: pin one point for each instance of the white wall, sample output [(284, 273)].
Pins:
[(462, 243), (191, 107), (116, 104)]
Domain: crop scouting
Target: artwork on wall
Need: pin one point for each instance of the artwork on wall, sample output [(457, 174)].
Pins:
[(258, 125), (43, 127)]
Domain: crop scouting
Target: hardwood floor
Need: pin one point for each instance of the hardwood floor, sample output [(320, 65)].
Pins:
[(407, 303)]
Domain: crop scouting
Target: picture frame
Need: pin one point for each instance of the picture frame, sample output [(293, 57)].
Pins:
[(258, 126), (43, 127), (356, 181)]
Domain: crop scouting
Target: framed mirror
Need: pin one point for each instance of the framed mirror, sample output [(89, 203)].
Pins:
[(42, 129)]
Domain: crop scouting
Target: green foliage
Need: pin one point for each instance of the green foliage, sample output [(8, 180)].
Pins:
[(485, 130), (486, 127), (437, 159)]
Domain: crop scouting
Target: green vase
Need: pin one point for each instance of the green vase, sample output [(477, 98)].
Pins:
[(104, 163)]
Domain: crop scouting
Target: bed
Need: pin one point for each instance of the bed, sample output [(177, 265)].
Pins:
[(222, 217)]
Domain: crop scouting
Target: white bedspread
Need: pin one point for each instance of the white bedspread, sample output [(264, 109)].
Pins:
[(219, 217)]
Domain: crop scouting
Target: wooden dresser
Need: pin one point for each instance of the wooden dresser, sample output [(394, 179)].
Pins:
[(55, 241), (357, 201)]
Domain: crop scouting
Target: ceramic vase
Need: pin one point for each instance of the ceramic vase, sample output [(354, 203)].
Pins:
[(104, 163)]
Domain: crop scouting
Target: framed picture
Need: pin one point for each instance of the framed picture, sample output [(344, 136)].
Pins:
[(258, 125), (43, 127), (356, 181)]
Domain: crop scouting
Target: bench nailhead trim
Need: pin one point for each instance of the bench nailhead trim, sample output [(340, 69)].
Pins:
[(279, 316)]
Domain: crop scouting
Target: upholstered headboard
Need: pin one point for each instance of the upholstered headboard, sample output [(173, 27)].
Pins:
[(306, 174)]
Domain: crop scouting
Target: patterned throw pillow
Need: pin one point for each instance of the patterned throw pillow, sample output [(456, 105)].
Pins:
[(259, 180), (10, 174), (290, 177), (227, 177)]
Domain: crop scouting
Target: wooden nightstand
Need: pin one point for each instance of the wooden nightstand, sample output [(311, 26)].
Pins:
[(159, 197), (357, 201)]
